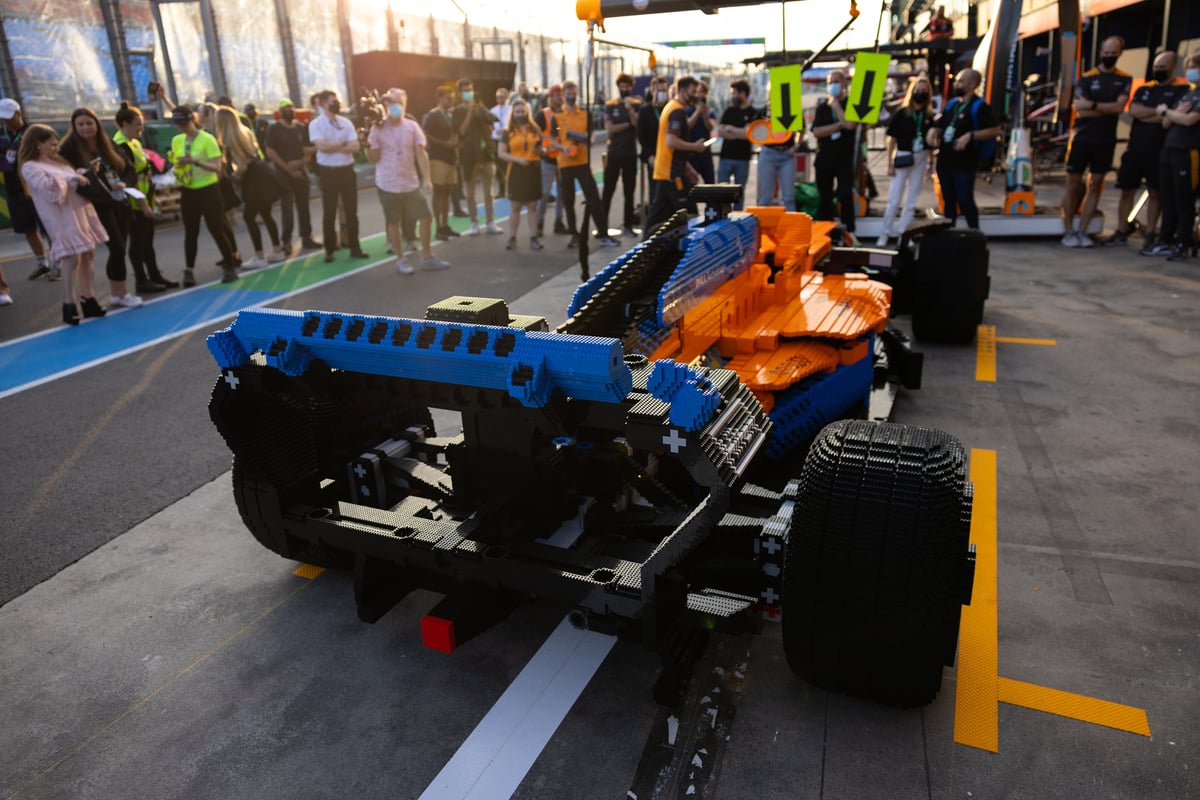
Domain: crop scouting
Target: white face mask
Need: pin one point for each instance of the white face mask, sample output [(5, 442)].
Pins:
[(661, 97)]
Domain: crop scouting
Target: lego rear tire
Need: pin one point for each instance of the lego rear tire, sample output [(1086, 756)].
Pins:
[(874, 570)]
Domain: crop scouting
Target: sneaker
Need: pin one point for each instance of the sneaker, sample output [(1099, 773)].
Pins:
[(511, 244), (1084, 240), (1178, 254), (403, 267), (310, 244), (228, 275), (493, 228), (608, 241), (1156, 249), (433, 262), (254, 263), (275, 258), (628, 231), (128, 301), (573, 242), (286, 246), (473, 230), (1118, 239), (56, 273), (881, 241), (5, 299), (535, 243), (1070, 239), (559, 227), (42, 270), (189, 278)]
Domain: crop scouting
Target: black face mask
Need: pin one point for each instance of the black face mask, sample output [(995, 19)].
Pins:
[(288, 114), (960, 91), (333, 106), (1109, 61), (920, 98), (1161, 75), (624, 92)]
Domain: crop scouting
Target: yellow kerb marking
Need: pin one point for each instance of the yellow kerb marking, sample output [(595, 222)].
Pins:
[(1074, 706), (1019, 340), (976, 709), (985, 354), (308, 571)]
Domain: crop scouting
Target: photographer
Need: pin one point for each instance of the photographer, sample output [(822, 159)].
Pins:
[(336, 141), (473, 123), (397, 148)]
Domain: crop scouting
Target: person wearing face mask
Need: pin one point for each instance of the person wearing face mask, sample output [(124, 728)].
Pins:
[(1100, 98), (907, 156), (966, 121), (438, 124), (336, 141), (473, 124), (549, 164), (501, 111), (835, 155), (570, 136), (647, 124), (522, 149), (673, 175), (1178, 170), (735, 148), (703, 121), (1140, 161), (397, 149), (285, 147), (620, 115)]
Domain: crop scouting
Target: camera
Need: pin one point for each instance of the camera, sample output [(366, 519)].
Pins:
[(369, 110), (152, 89)]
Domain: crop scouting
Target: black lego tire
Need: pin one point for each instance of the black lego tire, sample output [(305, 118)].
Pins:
[(950, 284), (873, 578)]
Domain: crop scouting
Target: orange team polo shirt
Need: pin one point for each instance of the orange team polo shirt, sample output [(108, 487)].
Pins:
[(663, 155), (522, 143), (576, 120)]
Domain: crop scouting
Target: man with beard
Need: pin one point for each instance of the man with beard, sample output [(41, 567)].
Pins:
[(620, 115), (735, 147), (286, 148)]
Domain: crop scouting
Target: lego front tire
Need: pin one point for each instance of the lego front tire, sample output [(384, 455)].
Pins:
[(876, 560)]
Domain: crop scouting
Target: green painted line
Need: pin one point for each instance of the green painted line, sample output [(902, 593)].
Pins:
[(306, 270)]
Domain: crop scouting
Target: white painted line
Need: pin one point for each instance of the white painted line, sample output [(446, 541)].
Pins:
[(495, 758)]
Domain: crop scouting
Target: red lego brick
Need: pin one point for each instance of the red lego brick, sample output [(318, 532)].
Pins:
[(438, 634)]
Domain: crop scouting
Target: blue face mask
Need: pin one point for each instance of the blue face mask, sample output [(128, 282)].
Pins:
[(1193, 75), (835, 90), (396, 111), (468, 97)]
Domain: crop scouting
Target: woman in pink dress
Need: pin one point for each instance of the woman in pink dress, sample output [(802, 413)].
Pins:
[(74, 228)]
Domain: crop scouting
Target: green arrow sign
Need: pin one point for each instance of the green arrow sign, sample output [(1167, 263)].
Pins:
[(786, 112), (866, 89)]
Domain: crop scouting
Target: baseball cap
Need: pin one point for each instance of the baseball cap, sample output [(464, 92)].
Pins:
[(181, 114), (285, 103), (8, 107)]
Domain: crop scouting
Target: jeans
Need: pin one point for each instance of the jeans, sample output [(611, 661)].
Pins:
[(958, 193), (737, 169), (776, 165)]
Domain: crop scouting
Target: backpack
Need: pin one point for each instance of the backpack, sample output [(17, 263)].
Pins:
[(986, 150)]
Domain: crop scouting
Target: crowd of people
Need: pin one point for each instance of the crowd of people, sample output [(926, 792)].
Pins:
[(66, 197)]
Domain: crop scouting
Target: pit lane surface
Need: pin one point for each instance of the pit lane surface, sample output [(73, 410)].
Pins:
[(179, 659)]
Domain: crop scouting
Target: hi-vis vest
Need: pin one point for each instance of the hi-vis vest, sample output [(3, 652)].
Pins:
[(141, 165)]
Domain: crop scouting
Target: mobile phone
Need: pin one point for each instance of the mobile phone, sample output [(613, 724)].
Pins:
[(712, 141)]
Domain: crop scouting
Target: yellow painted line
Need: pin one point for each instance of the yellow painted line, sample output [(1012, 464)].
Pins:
[(976, 701), (308, 571), (1019, 340), (1074, 706), (985, 354)]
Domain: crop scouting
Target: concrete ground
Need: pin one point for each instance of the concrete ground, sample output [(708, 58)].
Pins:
[(153, 650)]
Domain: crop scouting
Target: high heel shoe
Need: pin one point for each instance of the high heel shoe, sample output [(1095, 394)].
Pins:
[(70, 314), (91, 308)]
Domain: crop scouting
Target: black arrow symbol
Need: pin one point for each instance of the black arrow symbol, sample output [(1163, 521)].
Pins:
[(787, 117), (863, 106)]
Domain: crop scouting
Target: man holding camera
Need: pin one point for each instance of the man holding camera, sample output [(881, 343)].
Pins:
[(473, 124), (570, 130), (336, 141), (397, 149)]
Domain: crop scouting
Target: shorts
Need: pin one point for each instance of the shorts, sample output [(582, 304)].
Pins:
[(23, 215), (1095, 157), (442, 174), (403, 208), (1136, 167)]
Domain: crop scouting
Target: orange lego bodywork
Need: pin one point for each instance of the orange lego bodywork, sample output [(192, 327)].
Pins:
[(776, 332)]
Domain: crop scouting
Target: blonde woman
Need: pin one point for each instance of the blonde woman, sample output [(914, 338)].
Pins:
[(259, 187), (70, 219), (521, 147), (907, 157)]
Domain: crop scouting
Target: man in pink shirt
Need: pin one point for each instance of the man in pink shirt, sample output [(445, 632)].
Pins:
[(397, 149)]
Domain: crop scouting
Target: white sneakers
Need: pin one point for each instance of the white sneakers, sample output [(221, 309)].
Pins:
[(5, 299), (431, 263), (275, 258), (128, 301), (254, 263), (1074, 238), (475, 230), (493, 228), (403, 267)]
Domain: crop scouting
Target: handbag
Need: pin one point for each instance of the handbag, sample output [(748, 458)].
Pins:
[(904, 159)]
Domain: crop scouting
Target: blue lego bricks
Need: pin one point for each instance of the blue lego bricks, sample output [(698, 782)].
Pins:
[(529, 365), (713, 254), (691, 394), (801, 411), (587, 290)]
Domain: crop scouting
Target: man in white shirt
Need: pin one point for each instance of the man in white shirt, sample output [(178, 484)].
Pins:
[(500, 111), (397, 149), (336, 141)]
